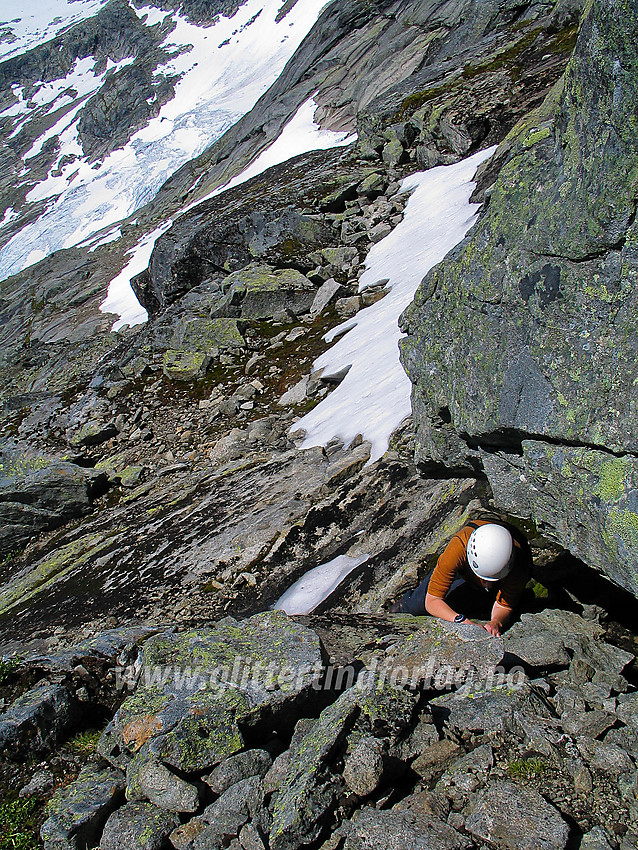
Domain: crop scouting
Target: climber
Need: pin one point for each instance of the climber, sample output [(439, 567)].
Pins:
[(483, 571)]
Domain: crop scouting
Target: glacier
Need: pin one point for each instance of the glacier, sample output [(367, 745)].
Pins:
[(224, 69)]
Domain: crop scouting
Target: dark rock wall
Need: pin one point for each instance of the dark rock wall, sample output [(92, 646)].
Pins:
[(522, 343)]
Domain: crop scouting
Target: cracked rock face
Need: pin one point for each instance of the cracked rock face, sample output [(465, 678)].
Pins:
[(530, 370)]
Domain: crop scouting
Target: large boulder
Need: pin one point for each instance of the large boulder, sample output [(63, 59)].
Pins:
[(39, 719), (264, 291), (512, 817), (490, 707), (521, 344), (443, 654), (39, 492), (77, 812), (199, 244), (198, 689), (555, 638)]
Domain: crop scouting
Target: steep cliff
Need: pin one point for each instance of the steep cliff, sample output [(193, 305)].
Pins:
[(522, 343)]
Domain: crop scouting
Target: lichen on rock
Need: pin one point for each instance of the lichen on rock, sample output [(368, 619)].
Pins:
[(527, 330)]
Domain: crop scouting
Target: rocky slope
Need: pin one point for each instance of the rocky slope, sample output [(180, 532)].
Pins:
[(155, 498), (529, 373), (333, 733), (166, 413)]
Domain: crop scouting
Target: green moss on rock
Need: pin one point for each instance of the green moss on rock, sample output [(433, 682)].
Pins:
[(185, 365)]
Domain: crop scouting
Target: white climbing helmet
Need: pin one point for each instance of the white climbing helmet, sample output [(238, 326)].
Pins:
[(489, 551)]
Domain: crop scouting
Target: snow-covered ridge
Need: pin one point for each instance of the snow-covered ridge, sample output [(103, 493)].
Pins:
[(223, 69), (374, 397)]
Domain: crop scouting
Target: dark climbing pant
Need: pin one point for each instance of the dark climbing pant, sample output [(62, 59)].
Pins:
[(462, 596)]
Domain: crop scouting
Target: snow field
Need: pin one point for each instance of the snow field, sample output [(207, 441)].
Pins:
[(228, 67), (374, 397), (120, 298)]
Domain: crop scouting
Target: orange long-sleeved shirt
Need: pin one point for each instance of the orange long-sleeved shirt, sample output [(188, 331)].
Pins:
[(453, 564)]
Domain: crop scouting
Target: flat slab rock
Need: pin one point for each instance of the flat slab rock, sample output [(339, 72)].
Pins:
[(550, 638), (513, 817), (371, 829), (39, 493), (441, 650), (196, 686), (489, 707), (108, 646)]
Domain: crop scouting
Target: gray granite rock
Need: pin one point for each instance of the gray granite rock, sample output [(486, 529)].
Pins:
[(264, 291), (513, 817), (312, 785), (441, 654), (78, 811), (149, 779), (250, 838), (599, 662), (38, 493), (326, 293), (627, 709), (39, 719), (363, 768), (371, 829), (595, 840), (238, 767), (198, 241), (564, 400), (435, 757), (139, 825), (224, 819), (590, 723), (605, 756), (490, 707), (197, 685), (40, 783)]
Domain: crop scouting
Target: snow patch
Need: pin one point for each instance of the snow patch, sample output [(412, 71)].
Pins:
[(112, 236), (39, 21), (43, 189), (300, 135), (374, 397), (9, 215), (18, 108), (316, 585), (81, 79), (121, 299)]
